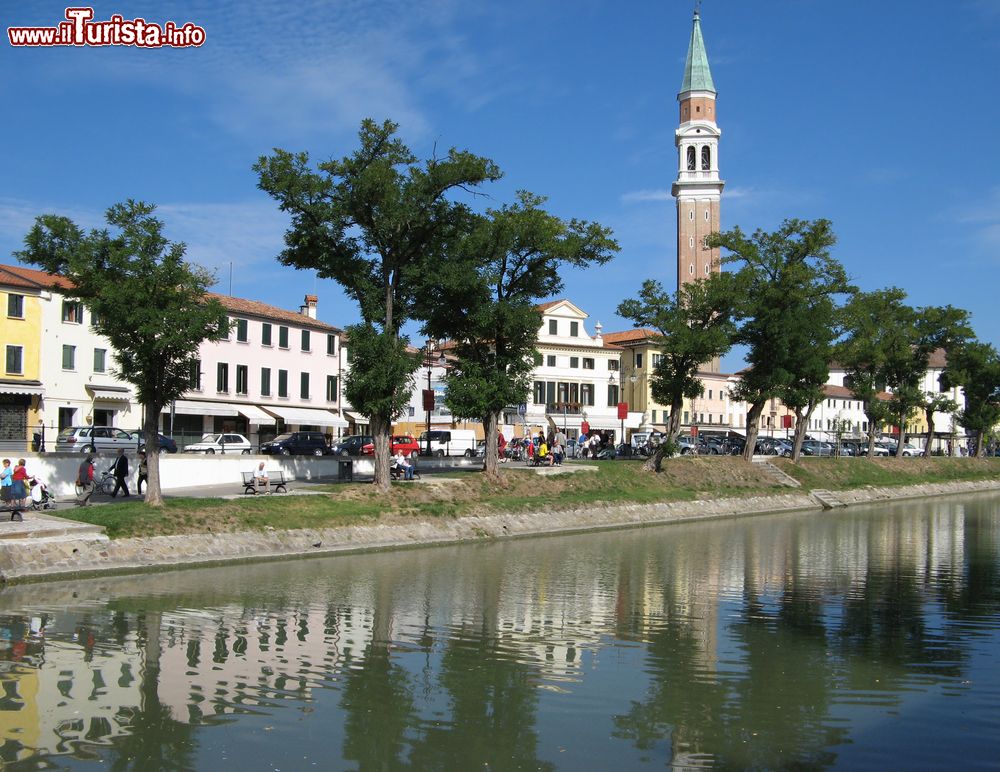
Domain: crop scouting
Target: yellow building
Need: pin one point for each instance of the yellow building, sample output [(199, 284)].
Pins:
[(640, 354), (21, 338)]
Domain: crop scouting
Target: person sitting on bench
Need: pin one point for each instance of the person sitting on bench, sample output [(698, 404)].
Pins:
[(402, 464), (260, 476)]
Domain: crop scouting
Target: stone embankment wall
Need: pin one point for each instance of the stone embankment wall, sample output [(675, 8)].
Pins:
[(26, 558)]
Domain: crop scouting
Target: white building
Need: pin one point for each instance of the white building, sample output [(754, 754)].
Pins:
[(576, 383)]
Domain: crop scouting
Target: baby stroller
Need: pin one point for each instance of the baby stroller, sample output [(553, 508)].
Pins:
[(40, 496)]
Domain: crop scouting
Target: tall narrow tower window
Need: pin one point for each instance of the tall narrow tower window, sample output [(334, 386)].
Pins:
[(706, 158), (691, 160)]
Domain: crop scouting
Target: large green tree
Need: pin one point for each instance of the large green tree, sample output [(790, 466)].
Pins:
[(693, 326), (783, 277), (378, 222), (144, 297), (975, 366), (484, 299)]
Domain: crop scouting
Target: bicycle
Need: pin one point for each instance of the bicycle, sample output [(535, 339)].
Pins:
[(106, 484)]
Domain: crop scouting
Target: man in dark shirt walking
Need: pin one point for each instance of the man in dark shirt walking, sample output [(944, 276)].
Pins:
[(120, 470)]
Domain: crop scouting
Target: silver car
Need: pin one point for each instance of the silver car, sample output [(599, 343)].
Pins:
[(221, 443), (88, 439)]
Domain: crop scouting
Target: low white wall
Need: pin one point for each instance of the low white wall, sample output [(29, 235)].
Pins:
[(58, 470)]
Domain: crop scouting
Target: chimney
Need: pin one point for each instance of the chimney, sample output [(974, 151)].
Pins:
[(308, 308)]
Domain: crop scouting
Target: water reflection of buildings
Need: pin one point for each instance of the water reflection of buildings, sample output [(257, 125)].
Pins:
[(553, 606)]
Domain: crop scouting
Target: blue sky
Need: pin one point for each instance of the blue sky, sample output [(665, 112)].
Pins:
[(881, 117)]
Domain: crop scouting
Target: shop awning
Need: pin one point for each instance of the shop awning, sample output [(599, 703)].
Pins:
[(356, 417), (255, 415), (21, 387), (119, 393), (305, 416), (188, 407)]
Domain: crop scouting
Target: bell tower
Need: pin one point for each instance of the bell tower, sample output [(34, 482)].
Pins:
[(698, 189)]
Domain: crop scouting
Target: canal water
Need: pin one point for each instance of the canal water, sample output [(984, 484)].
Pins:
[(860, 639)]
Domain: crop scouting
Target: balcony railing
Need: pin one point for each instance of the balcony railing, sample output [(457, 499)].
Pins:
[(568, 408)]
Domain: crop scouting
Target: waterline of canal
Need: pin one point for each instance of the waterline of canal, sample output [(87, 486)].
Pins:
[(862, 638)]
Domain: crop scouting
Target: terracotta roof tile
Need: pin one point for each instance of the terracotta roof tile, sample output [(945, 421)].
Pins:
[(630, 336), (265, 311), (550, 304), (38, 278)]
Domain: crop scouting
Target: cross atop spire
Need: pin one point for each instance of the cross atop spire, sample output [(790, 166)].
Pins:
[(697, 74)]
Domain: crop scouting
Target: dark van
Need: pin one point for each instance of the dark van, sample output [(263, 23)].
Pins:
[(297, 444)]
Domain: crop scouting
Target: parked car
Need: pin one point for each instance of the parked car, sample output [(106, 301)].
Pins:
[(859, 448), (816, 448), (297, 444), (88, 439), (221, 443), (164, 443), (399, 442), (912, 450), (351, 444)]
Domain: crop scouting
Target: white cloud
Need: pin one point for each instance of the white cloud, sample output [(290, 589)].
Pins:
[(643, 196)]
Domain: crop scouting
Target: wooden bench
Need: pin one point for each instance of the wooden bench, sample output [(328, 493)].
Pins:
[(395, 473), (276, 482)]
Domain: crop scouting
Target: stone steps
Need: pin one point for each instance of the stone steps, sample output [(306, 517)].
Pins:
[(787, 480), (826, 498)]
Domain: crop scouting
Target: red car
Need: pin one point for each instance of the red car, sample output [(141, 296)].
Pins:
[(400, 442)]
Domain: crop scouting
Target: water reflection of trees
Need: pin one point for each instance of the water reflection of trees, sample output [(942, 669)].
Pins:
[(752, 632)]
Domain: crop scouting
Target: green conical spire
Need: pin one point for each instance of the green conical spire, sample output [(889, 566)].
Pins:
[(697, 75)]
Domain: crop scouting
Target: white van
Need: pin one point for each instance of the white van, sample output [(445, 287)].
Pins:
[(449, 442)]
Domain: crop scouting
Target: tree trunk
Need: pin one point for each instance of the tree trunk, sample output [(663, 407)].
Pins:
[(901, 425), (801, 425), (151, 430), (753, 427), (491, 458), (930, 432), (674, 422), (380, 432), (871, 437), (655, 462)]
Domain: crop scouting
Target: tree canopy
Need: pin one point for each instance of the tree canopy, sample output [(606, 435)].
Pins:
[(149, 303), (484, 299), (378, 222)]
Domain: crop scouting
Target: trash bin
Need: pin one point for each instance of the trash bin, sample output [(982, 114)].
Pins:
[(345, 470)]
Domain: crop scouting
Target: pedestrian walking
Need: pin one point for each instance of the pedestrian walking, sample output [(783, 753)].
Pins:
[(85, 481), (120, 470), (19, 485), (143, 472), (6, 482)]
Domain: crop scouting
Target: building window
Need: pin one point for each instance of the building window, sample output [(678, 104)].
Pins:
[(222, 377), (692, 164), (709, 393), (706, 158), (687, 417), (574, 329), (638, 361), (331, 344), (574, 362), (691, 215), (72, 312), (194, 375), (588, 363), (707, 215), (657, 358), (100, 360), (15, 360), (282, 383), (539, 396), (265, 381), (304, 386), (550, 360), (69, 358), (331, 388), (242, 379), (242, 331), (613, 364), (15, 306), (691, 242), (654, 416), (553, 327), (282, 337), (587, 394), (305, 340), (613, 395), (265, 334), (691, 269), (707, 268)]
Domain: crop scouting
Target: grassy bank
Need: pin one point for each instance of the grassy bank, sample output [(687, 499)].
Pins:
[(519, 490)]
